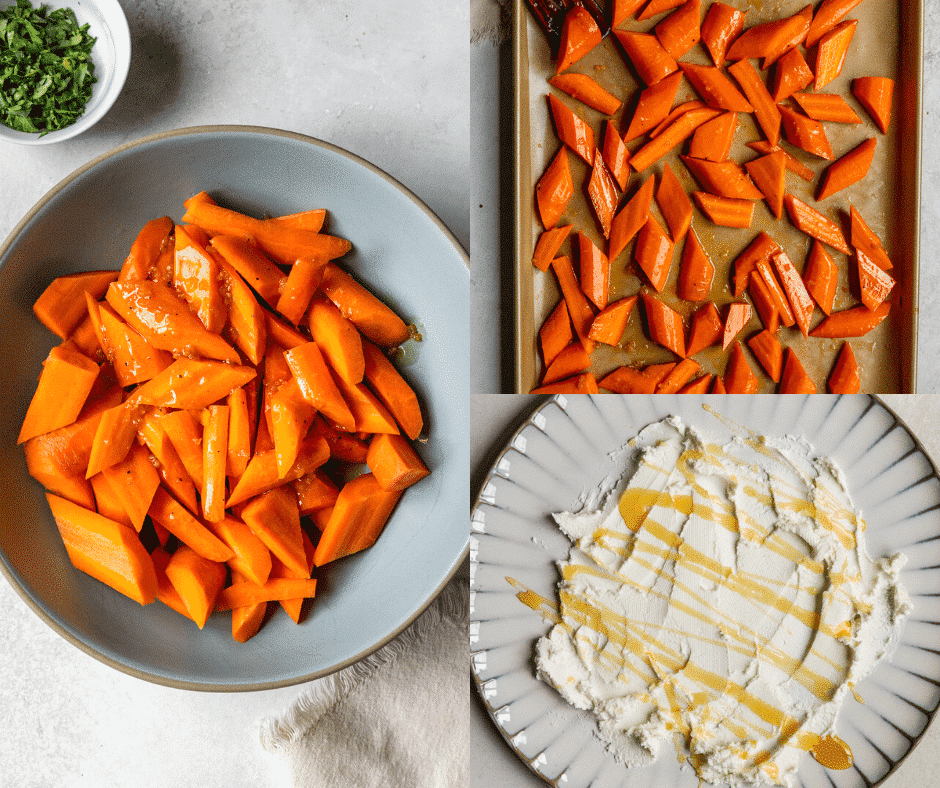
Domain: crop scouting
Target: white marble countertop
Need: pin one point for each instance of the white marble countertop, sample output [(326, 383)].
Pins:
[(385, 81)]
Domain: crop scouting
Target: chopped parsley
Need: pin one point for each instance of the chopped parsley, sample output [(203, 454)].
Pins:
[(46, 71)]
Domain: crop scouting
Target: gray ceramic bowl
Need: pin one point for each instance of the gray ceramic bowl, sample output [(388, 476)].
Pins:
[(399, 248)]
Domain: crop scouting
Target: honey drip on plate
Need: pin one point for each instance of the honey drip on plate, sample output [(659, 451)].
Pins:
[(832, 752)]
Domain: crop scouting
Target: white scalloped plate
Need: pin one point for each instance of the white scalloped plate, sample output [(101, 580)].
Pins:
[(562, 449)]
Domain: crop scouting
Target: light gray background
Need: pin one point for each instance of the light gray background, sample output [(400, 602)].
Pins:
[(387, 81)]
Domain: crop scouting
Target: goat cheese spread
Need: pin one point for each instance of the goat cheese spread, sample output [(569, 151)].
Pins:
[(720, 597)]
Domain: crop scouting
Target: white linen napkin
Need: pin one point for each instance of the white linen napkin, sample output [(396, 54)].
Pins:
[(397, 719)]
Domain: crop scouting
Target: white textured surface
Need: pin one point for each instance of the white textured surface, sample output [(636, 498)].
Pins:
[(385, 81)]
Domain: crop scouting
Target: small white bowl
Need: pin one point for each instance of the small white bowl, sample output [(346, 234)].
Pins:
[(111, 55)]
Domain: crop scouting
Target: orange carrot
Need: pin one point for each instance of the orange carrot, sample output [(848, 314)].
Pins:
[(651, 61), (610, 323), (262, 472), (738, 314), (864, 238), (343, 446), (555, 333), (301, 283), (655, 7), (791, 36), (370, 415), (585, 383), (653, 253), (775, 291), (169, 513), (674, 204), (715, 88), (875, 95), (377, 321), (61, 306), (572, 130), (681, 30), (700, 385), (579, 308), (769, 175), (623, 9), (338, 339), (114, 436), (763, 246), (854, 322), (814, 224), (547, 247), (250, 556), (875, 283), (192, 384), (706, 329), (696, 271), (603, 191), (154, 238), (196, 278), (828, 15), (616, 156), (281, 332), (653, 106), (791, 74), (256, 268), (826, 106), (739, 378), (794, 165), (769, 352), (794, 379), (554, 189), (215, 459), (315, 491), (671, 136), (274, 517), (309, 367), (725, 211), (770, 40), (247, 620), (805, 133), (712, 140), (133, 482), (718, 385), (674, 114), (629, 380), (763, 303), (571, 360), (832, 50), (821, 277), (197, 580), (723, 23), (580, 33), (394, 462), (586, 90), (678, 376), (311, 220), (845, 378), (631, 218), (723, 178), (184, 433), (849, 169), (134, 359), (797, 295), (765, 109), (242, 593), (664, 325), (595, 271)]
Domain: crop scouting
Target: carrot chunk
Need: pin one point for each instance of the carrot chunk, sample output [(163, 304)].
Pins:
[(671, 136), (547, 246), (191, 384), (262, 471), (154, 238), (392, 390), (555, 333), (338, 339), (274, 517), (737, 316), (805, 133), (243, 593), (674, 204), (715, 88), (584, 383), (723, 24), (853, 322), (706, 329), (826, 106), (696, 271), (602, 189), (309, 367), (814, 224), (765, 109), (793, 164), (664, 325), (571, 360), (769, 175), (595, 271), (801, 303), (828, 15), (739, 378), (579, 307), (712, 140), (769, 352), (616, 156), (821, 277), (791, 74), (197, 580), (394, 462), (678, 376), (794, 378), (864, 238), (252, 265), (651, 61), (844, 377), (654, 252), (629, 219), (302, 282), (875, 95), (725, 211), (849, 169), (61, 306), (580, 33), (681, 30), (629, 380), (610, 323), (133, 482), (832, 50), (173, 516), (572, 130), (653, 106), (762, 246), (874, 282), (586, 90), (251, 558), (723, 178), (554, 189)]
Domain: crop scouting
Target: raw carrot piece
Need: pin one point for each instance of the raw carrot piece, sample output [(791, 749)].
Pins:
[(172, 515), (555, 333), (844, 378), (315, 491), (196, 278), (256, 268), (623, 9), (793, 34), (826, 106), (700, 385), (664, 325), (828, 15), (309, 367), (580, 33), (769, 175), (763, 303), (725, 211), (682, 29), (114, 436), (274, 517), (765, 109), (261, 473), (337, 338), (586, 90), (674, 114), (394, 462), (650, 60), (197, 580), (723, 24), (706, 329), (243, 593), (134, 359), (585, 383), (358, 518), (810, 221), (738, 314), (629, 380), (718, 385), (572, 130), (769, 352), (762, 246), (674, 204), (595, 271), (154, 238), (392, 390), (579, 308), (671, 136), (821, 277), (739, 378), (655, 7), (864, 238), (133, 482), (853, 322), (794, 379), (65, 382), (794, 165), (165, 320), (602, 189), (184, 433), (723, 178), (610, 323), (215, 458), (188, 383), (571, 360), (797, 295), (875, 283), (770, 40), (830, 55), (678, 376), (696, 271), (805, 133), (775, 291), (628, 221), (792, 74), (61, 306), (875, 94), (363, 309), (653, 253), (554, 189), (106, 550), (715, 88), (301, 283), (616, 156), (848, 169), (547, 246), (653, 106), (712, 140)]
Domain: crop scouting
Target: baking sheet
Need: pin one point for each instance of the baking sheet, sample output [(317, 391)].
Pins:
[(887, 42)]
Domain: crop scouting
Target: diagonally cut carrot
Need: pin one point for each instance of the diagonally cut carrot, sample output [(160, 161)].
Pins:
[(794, 378), (791, 35), (133, 482), (845, 378), (769, 40), (715, 88), (586, 90), (769, 352), (572, 360), (805, 133), (664, 325), (821, 277), (572, 130), (792, 73), (585, 383), (826, 106), (611, 321), (392, 390), (674, 114), (673, 135), (154, 238), (681, 30), (189, 383), (654, 252), (832, 50), (712, 140), (699, 385), (262, 472), (655, 7), (874, 282), (864, 238), (628, 221), (650, 60), (723, 178), (875, 94), (725, 211), (853, 322), (244, 592), (706, 329), (723, 23), (629, 380), (309, 367), (765, 109), (765, 272), (737, 316), (678, 376), (762, 246), (173, 516), (555, 333), (338, 339), (580, 33), (302, 281), (849, 169), (793, 164), (602, 189), (623, 10), (61, 306), (197, 580), (594, 270), (696, 271), (797, 295), (763, 303), (739, 378), (828, 15), (769, 175), (554, 189), (547, 246), (579, 307), (674, 204), (274, 517), (813, 223), (616, 156), (653, 106)]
